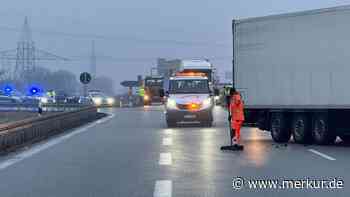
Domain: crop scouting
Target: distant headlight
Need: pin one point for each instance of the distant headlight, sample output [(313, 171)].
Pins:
[(171, 103), (207, 103), (97, 101), (110, 101), (44, 100)]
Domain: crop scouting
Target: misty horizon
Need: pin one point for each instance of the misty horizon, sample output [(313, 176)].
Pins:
[(130, 36)]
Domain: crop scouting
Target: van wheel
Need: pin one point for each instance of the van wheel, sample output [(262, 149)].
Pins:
[(320, 130), (280, 131), (301, 129)]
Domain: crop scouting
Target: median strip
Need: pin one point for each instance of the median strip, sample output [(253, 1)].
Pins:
[(167, 141), (163, 188), (165, 159), (168, 131)]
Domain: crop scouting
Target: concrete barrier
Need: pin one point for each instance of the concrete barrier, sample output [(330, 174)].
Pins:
[(33, 107), (19, 133)]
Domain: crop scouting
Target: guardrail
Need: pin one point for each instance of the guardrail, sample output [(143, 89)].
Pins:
[(19, 133), (33, 107)]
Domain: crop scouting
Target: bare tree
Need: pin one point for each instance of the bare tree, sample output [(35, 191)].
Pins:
[(61, 80)]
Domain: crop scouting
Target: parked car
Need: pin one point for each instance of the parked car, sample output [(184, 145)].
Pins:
[(85, 100), (47, 99), (73, 99), (100, 99), (61, 97)]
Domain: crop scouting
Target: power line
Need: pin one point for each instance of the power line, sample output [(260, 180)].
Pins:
[(120, 38), (25, 55), (139, 59)]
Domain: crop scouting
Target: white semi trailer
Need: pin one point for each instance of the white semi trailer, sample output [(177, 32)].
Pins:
[(293, 71)]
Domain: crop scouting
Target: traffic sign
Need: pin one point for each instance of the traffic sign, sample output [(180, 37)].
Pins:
[(130, 83), (85, 78)]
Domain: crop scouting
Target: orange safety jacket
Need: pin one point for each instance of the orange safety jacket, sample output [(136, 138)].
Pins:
[(236, 108)]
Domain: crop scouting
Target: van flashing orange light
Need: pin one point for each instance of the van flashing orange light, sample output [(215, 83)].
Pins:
[(191, 74), (193, 106)]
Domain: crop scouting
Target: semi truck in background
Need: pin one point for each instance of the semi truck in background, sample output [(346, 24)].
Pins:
[(293, 73), (191, 66), (152, 87), (202, 66), (198, 66)]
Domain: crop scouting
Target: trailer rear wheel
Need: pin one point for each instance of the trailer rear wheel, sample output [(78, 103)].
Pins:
[(320, 130), (301, 129), (280, 131)]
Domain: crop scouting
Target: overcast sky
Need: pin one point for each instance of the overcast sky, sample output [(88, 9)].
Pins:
[(130, 35)]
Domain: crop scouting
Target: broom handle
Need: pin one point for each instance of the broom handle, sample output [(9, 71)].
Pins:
[(228, 99), (229, 126)]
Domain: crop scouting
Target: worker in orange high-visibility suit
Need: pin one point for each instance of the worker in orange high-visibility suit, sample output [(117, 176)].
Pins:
[(237, 115)]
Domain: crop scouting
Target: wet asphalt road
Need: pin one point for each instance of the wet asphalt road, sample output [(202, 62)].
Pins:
[(133, 154)]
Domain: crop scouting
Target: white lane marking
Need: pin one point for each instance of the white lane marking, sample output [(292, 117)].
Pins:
[(163, 188), (167, 141), (165, 159), (322, 154), (52, 142), (168, 131)]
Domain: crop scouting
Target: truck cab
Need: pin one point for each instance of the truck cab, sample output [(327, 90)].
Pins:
[(189, 100), (153, 85)]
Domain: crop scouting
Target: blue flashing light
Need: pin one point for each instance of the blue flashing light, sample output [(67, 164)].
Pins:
[(34, 90), (8, 90)]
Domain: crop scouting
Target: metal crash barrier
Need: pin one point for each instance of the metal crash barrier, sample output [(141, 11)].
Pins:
[(33, 107)]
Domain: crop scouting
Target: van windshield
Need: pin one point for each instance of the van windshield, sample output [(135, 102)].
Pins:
[(189, 86)]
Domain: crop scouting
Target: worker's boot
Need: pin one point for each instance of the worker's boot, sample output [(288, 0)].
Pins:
[(234, 141), (236, 144)]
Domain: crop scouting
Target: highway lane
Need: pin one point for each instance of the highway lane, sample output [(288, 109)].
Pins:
[(134, 154)]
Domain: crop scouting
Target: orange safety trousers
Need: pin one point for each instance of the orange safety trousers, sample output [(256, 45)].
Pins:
[(237, 128), (237, 119)]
